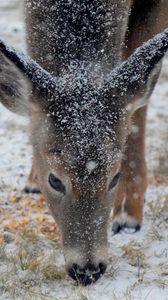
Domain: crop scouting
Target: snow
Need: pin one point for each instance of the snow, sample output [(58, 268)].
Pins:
[(129, 275)]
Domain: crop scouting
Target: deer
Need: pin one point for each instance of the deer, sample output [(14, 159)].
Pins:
[(85, 85)]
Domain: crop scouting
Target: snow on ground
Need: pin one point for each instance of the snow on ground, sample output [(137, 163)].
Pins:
[(138, 263)]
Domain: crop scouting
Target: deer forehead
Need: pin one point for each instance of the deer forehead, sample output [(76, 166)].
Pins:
[(91, 166)]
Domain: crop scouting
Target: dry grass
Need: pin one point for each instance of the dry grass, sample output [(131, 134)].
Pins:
[(134, 254), (114, 262), (83, 297), (3, 256), (52, 272), (155, 234), (162, 168), (27, 266), (126, 296), (158, 210)]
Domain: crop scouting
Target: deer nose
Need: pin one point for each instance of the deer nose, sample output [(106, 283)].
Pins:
[(88, 275)]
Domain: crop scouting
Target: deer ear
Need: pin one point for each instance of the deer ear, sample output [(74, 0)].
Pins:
[(134, 78), (13, 87), (17, 71), (142, 98)]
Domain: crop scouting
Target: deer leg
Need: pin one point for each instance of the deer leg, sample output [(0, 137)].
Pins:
[(129, 202), (146, 20), (32, 185)]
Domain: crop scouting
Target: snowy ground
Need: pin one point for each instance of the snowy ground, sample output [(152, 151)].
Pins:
[(30, 245)]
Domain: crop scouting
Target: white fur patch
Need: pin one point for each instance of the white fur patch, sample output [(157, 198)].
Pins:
[(123, 206), (76, 256), (91, 165), (124, 218)]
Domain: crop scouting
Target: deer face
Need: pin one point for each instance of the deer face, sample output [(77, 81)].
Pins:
[(79, 124), (79, 198), (78, 166)]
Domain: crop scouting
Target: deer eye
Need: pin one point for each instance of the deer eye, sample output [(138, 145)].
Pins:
[(56, 183), (114, 181)]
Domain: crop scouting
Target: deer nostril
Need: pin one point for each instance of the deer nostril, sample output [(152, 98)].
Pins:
[(73, 272), (102, 267), (88, 275)]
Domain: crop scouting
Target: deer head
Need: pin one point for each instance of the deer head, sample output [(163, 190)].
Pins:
[(78, 126)]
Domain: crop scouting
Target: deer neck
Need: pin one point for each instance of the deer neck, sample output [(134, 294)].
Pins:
[(83, 30)]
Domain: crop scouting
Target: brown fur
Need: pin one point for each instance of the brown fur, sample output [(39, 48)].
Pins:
[(142, 26)]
